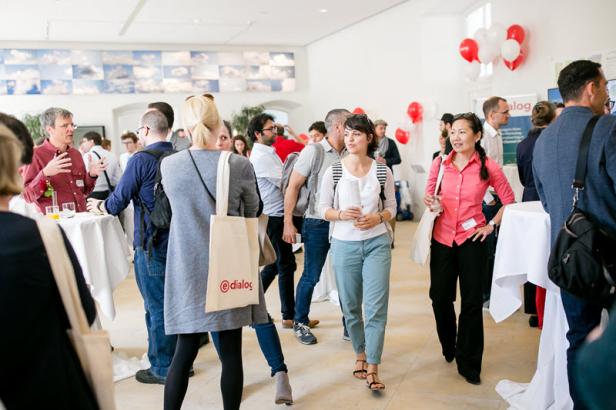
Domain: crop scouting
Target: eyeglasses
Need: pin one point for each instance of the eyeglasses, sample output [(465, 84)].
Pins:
[(506, 112), (140, 128), (272, 129), (65, 126), (609, 104)]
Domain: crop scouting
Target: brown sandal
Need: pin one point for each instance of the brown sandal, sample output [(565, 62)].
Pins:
[(375, 384), (360, 373)]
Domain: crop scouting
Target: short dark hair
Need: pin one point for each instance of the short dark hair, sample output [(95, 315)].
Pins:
[(489, 105), (280, 131), (361, 122), (575, 76), (318, 126), (129, 136), (93, 136), (256, 125), (165, 109), (560, 105), (447, 118), (21, 132)]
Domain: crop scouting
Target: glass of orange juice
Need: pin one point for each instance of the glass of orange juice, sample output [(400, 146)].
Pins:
[(52, 212)]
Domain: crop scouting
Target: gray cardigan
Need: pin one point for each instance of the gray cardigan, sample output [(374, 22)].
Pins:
[(189, 236)]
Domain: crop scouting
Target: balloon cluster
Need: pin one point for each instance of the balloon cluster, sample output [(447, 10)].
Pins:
[(487, 46)]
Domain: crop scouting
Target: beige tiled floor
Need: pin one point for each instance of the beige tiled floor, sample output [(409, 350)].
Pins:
[(415, 374)]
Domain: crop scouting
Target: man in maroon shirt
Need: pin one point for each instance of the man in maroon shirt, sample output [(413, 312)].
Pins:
[(57, 166), (284, 146)]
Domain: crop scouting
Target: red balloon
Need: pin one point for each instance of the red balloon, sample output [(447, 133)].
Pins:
[(516, 32), (469, 49), (303, 137), (359, 110), (415, 111), (402, 136), (513, 65)]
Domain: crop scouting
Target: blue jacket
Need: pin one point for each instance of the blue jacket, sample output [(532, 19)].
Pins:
[(524, 159), (554, 161), (137, 184)]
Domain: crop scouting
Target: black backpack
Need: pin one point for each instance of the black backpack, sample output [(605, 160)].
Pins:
[(160, 217), (583, 258)]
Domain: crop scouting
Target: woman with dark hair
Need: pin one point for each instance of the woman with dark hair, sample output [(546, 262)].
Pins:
[(240, 146), (40, 368), (542, 115), (224, 141), (357, 196), (442, 142), (458, 247)]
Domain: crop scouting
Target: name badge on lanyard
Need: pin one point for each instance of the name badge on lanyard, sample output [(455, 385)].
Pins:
[(471, 223), (79, 183)]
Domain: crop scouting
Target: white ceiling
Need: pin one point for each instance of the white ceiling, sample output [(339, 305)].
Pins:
[(207, 22)]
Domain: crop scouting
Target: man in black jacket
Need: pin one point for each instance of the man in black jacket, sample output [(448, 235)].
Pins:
[(388, 150)]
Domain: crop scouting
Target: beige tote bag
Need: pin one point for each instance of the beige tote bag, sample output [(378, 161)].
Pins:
[(422, 240), (233, 277), (92, 347), (267, 254)]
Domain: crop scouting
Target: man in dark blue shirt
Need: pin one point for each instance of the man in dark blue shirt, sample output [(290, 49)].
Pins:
[(137, 185), (583, 87)]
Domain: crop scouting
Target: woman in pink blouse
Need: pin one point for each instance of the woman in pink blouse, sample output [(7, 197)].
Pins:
[(458, 247)]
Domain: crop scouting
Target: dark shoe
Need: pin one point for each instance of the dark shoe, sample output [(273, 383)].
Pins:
[(191, 372), (449, 357), (204, 339), (471, 378), (303, 334), (533, 321), (313, 323), (147, 377), (287, 324)]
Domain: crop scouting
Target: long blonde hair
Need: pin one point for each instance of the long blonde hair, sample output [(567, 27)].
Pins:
[(201, 119), (10, 160)]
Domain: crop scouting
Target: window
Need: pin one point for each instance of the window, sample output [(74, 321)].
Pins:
[(480, 17)]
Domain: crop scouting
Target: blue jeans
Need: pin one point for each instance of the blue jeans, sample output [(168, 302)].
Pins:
[(582, 317), (150, 276), (362, 275), (269, 342), (315, 235)]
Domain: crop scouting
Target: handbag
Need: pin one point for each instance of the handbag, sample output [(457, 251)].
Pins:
[(422, 239), (233, 277), (583, 258), (92, 346), (267, 254)]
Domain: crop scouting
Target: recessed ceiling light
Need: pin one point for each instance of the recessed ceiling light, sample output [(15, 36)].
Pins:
[(323, 10), (196, 21)]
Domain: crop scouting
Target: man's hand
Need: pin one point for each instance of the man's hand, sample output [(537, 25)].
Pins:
[(289, 232), (58, 165), (95, 168), (93, 206)]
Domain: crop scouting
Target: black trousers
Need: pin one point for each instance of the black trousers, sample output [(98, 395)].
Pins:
[(284, 267), (466, 340)]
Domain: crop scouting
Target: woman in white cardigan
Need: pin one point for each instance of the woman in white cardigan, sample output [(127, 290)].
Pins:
[(357, 195)]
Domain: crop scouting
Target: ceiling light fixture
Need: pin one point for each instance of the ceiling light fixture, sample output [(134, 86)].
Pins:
[(322, 10), (196, 21)]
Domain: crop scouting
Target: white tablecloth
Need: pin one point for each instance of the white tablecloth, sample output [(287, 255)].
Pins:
[(100, 245), (522, 255), (511, 173)]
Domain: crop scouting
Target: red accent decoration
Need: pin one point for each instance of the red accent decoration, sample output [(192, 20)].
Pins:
[(415, 112), (469, 49), (517, 33), (402, 136), (513, 65), (303, 137), (359, 110)]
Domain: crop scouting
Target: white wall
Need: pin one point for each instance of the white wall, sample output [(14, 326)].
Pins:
[(98, 109), (410, 53)]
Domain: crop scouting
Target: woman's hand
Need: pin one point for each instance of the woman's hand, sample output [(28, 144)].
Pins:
[(429, 200), (368, 221), (483, 232), (350, 214)]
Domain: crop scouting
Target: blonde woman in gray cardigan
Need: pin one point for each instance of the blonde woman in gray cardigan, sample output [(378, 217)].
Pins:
[(188, 255), (357, 195)]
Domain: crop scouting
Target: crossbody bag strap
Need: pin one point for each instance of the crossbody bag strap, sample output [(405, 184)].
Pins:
[(200, 177), (222, 184), (582, 161), (439, 178), (104, 172)]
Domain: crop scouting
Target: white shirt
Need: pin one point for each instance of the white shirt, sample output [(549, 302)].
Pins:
[(113, 168), (492, 142), (369, 198), (124, 157), (268, 170)]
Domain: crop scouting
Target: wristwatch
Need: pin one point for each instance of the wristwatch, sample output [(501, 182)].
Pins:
[(492, 223)]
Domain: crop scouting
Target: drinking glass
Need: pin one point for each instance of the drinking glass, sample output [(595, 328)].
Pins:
[(52, 212), (68, 210)]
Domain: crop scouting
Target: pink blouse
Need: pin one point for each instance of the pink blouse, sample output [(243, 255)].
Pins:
[(461, 197)]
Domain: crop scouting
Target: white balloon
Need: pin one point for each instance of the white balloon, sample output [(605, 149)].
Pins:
[(429, 110), (481, 35), (496, 34), (510, 50), (471, 70), (486, 54)]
